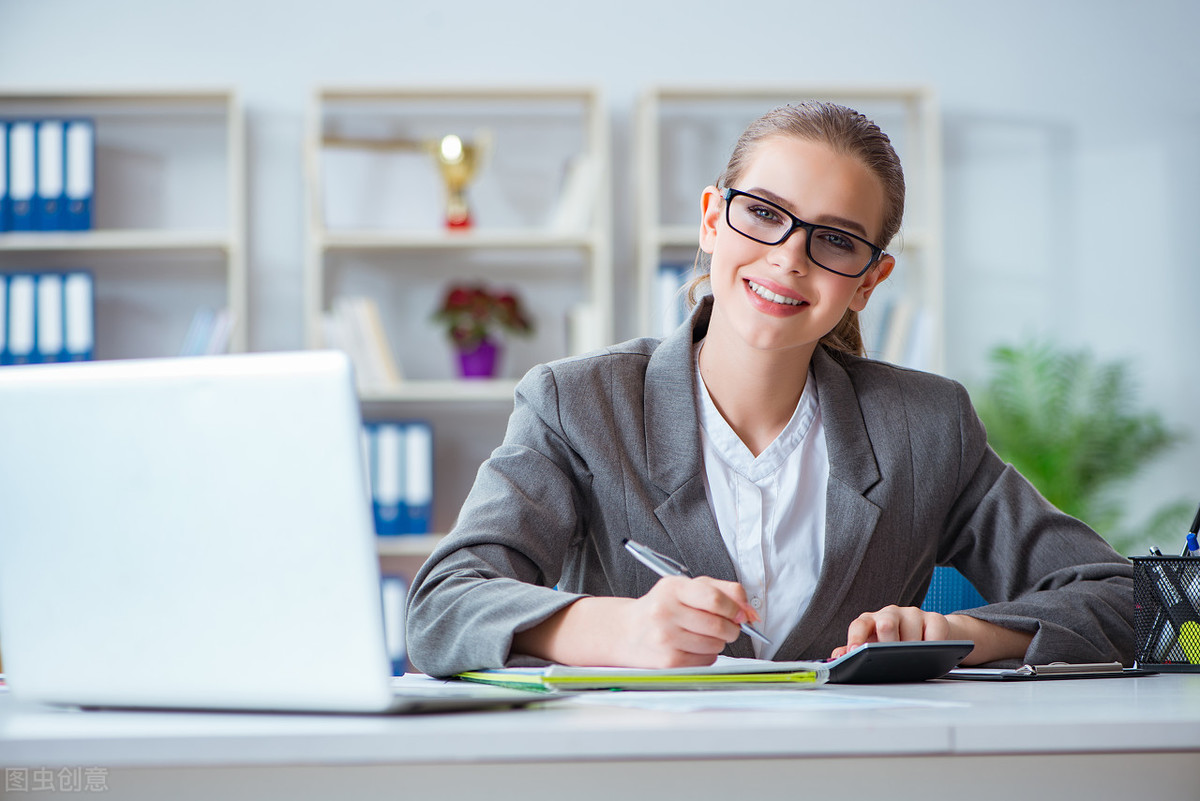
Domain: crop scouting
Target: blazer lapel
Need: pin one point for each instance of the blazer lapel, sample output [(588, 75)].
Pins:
[(850, 518), (673, 451), (675, 460)]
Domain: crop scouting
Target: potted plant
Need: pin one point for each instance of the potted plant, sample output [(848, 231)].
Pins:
[(1070, 425), (474, 317)]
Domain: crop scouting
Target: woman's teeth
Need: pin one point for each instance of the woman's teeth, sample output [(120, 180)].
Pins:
[(767, 294)]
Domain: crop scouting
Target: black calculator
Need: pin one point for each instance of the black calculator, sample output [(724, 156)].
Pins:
[(894, 662)]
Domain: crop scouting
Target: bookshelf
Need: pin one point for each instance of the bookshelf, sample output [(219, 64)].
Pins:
[(376, 221), (169, 216), (684, 135)]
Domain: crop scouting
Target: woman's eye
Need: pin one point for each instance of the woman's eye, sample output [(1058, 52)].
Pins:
[(837, 240), (765, 214)]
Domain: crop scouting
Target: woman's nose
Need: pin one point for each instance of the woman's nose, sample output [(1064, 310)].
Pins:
[(792, 253)]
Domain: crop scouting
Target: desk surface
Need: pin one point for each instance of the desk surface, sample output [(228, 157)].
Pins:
[(1132, 717), (1153, 713)]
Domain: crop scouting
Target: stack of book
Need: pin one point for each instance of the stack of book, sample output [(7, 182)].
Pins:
[(209, 333), (47, 174), (46, 317), (355, 326), (904, 335), (670, 307)]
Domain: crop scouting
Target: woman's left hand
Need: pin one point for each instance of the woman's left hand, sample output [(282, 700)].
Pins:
[(894, 623)]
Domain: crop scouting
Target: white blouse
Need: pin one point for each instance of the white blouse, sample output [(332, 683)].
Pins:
[(770, 509)]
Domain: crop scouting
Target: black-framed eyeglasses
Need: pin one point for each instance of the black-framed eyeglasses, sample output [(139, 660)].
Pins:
[(830, 248)]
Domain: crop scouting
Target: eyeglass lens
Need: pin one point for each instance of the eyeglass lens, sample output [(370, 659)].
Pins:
[(830, 248)]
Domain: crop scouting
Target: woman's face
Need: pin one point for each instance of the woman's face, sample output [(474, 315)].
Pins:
[(772, 297)]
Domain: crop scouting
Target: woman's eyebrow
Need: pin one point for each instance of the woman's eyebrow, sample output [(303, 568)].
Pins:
[(823, 219)]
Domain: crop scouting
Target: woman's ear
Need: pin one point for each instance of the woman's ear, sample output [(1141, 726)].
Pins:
[(871, 279), (710, 216)]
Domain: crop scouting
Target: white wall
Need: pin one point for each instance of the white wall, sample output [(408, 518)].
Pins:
[(1071, 143)]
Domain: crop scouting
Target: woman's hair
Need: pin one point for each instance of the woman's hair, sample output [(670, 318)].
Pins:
[(847, 132)]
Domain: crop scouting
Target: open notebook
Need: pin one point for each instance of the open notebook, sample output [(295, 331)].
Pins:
[(872, 663), (726, 673), (194, 533)]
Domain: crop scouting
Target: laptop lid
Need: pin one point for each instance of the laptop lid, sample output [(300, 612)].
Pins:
[(189, 533)]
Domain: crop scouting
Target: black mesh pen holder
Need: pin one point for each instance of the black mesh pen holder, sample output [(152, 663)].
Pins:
[(1166, 603)]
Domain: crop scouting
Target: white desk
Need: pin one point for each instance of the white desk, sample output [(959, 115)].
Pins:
[(1078, 739)]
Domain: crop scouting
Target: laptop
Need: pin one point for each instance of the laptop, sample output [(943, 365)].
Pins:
[(196, 533)]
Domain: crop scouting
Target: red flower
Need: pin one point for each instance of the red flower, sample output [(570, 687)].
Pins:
[(472, 314), (458, 298)]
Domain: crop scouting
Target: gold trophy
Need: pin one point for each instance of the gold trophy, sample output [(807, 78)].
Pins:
[(458, 162)]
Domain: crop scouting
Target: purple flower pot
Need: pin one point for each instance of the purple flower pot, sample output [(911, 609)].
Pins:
[(480, 362)]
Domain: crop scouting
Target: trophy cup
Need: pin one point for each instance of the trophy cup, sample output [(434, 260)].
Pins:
[(458, 162)]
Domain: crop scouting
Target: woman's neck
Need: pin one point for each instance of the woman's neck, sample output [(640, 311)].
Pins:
[(755, 391)]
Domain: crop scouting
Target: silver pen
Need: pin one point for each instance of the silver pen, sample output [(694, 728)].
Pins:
[(666, 566)]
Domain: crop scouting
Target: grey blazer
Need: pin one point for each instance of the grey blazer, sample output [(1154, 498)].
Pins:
[(607, 446)]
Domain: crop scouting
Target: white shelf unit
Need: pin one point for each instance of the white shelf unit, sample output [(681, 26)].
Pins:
[(684, 136), (169, 212), (375, 217), (541, 226)]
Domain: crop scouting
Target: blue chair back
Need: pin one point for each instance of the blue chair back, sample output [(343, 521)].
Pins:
[(950, 591)]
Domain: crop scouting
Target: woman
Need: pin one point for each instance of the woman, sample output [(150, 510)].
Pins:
[(810, 490)]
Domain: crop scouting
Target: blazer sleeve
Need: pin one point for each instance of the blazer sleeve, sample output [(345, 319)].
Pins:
[(1045, 572), (494, 575)]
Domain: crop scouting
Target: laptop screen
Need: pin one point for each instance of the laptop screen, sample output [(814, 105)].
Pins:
[(189, 533)]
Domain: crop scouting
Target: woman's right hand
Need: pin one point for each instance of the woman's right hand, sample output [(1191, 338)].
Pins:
[(680, 622), (684, 622)]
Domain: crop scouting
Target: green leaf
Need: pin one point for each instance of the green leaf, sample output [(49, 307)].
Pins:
[(1072, 426)]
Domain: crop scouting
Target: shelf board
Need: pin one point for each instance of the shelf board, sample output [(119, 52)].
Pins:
[(408, 544), (130, 240), (146, 95), (441, 91), (450, 240), (116, 103), (492, 390)]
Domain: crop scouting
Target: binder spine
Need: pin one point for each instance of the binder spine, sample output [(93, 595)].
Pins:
[(79, 312), (418, 442), (80, 155), (22, 317), (22, 174), (393, 589), (387, 478), (671, 309), (4, 199), (51, 155), (50, 340), (3, 319)]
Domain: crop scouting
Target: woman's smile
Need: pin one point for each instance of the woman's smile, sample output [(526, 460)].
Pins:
[(772, 300)]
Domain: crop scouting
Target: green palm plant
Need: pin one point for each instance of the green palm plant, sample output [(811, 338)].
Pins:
[(1071, 425)]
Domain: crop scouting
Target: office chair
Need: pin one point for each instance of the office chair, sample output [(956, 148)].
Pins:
[(950, 591)]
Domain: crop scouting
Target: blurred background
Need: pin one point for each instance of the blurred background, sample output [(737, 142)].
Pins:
[(1068, 130)]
